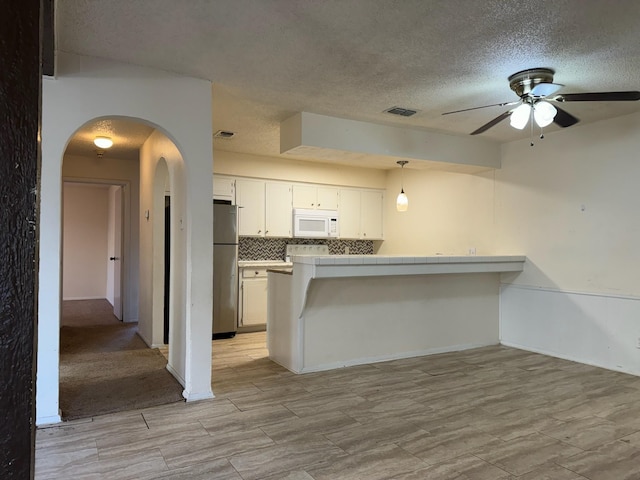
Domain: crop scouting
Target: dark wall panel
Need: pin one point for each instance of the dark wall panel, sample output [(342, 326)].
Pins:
[(20, 89)]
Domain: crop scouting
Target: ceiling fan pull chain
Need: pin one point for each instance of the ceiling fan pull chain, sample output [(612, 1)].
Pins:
[(531, 122)]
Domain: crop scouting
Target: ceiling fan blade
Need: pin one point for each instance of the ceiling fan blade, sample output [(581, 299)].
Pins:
[(544, 89), (564, 119), (484, 106), (631, 95), (493, 122)]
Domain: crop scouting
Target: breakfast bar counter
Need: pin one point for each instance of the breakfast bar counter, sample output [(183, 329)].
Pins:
[(340, 310)]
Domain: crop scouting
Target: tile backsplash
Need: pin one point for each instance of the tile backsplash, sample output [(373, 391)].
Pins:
[(255, 248)]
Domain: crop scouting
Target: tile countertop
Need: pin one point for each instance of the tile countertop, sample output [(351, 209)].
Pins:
[(263, 263), (382, 265)]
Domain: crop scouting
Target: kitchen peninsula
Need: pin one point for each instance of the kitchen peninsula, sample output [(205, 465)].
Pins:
[(340, 310)]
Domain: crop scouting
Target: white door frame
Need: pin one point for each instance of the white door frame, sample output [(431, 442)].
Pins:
[(125, 283)]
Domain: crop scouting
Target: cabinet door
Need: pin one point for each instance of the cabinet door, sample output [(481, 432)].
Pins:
[(278, 218), (327, 198), (251, 202), (254, 302), (349, 213), (371, 208), (304, 196), (224, 188)]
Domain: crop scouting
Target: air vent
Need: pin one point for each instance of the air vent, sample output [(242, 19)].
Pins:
[(224, 134), (403, 112)]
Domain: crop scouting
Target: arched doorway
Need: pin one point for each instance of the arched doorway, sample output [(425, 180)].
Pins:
[(105, 367), (88, 89)]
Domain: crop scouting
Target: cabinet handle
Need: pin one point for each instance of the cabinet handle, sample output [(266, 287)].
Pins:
[(266, 231), (318, 204), (259, 231)]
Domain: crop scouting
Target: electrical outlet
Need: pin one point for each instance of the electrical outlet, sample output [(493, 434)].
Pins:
[(347, 250), (472, 250)]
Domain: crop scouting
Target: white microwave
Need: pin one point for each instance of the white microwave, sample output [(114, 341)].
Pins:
[(315, 223)]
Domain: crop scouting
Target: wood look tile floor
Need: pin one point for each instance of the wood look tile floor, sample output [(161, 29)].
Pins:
[(492, 413)]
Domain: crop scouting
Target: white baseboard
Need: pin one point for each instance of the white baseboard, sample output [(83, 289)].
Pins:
[(83, 298), (386, 358), (190, 397), (177, 376), (53, 420)]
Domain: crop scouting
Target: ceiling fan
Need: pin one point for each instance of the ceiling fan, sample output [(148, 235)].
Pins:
[(536, 90)]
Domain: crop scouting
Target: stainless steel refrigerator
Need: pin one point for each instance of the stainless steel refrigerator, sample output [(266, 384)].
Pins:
[(225, 270)]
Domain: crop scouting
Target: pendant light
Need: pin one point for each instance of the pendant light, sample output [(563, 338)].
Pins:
[(402, 202)]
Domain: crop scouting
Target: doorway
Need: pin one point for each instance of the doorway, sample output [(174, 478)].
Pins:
[(93, 242)]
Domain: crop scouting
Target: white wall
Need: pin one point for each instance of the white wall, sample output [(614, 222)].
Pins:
[(571, 203), (85, 257), (86, 89), (448, 213), (115, 170), (349, 321), (159, 158)]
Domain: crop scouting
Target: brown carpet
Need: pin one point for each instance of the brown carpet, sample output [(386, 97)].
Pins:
[(108, 368)]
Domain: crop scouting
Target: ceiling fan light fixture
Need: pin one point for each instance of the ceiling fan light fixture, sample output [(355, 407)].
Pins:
[(520, 116), (544, 113)]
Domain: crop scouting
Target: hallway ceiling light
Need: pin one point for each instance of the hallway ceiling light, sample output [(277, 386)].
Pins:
[(402, 202), (103, 142)]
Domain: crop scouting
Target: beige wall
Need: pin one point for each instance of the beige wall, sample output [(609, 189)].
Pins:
[(84, 266), (243, 165), (449, 213), (571, 204)]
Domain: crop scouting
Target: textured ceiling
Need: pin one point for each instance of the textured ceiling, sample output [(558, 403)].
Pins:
[(127, 135), (269, 59)]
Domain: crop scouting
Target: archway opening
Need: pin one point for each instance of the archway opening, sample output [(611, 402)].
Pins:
[(111, 346)]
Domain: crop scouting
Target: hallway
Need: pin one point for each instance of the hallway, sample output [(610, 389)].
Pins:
[(104, 365)]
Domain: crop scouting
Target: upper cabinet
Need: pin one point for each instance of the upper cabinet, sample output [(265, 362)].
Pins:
[(250, 198), (264, 208), (361, 213), (315, 197), (224, 188), (371, 208), (278, 218)]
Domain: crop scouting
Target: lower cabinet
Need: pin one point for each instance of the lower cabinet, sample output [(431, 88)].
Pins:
[(253, 297)]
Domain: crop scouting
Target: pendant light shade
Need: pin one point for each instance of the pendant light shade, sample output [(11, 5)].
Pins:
[(402, 202)]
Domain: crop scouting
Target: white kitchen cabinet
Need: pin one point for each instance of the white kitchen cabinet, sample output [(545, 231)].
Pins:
[(278, 218), (224, 188), (315, 197), (349, 213), (371, 211), (250, 198), (327, 198), (253, 297), (361, 212)]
